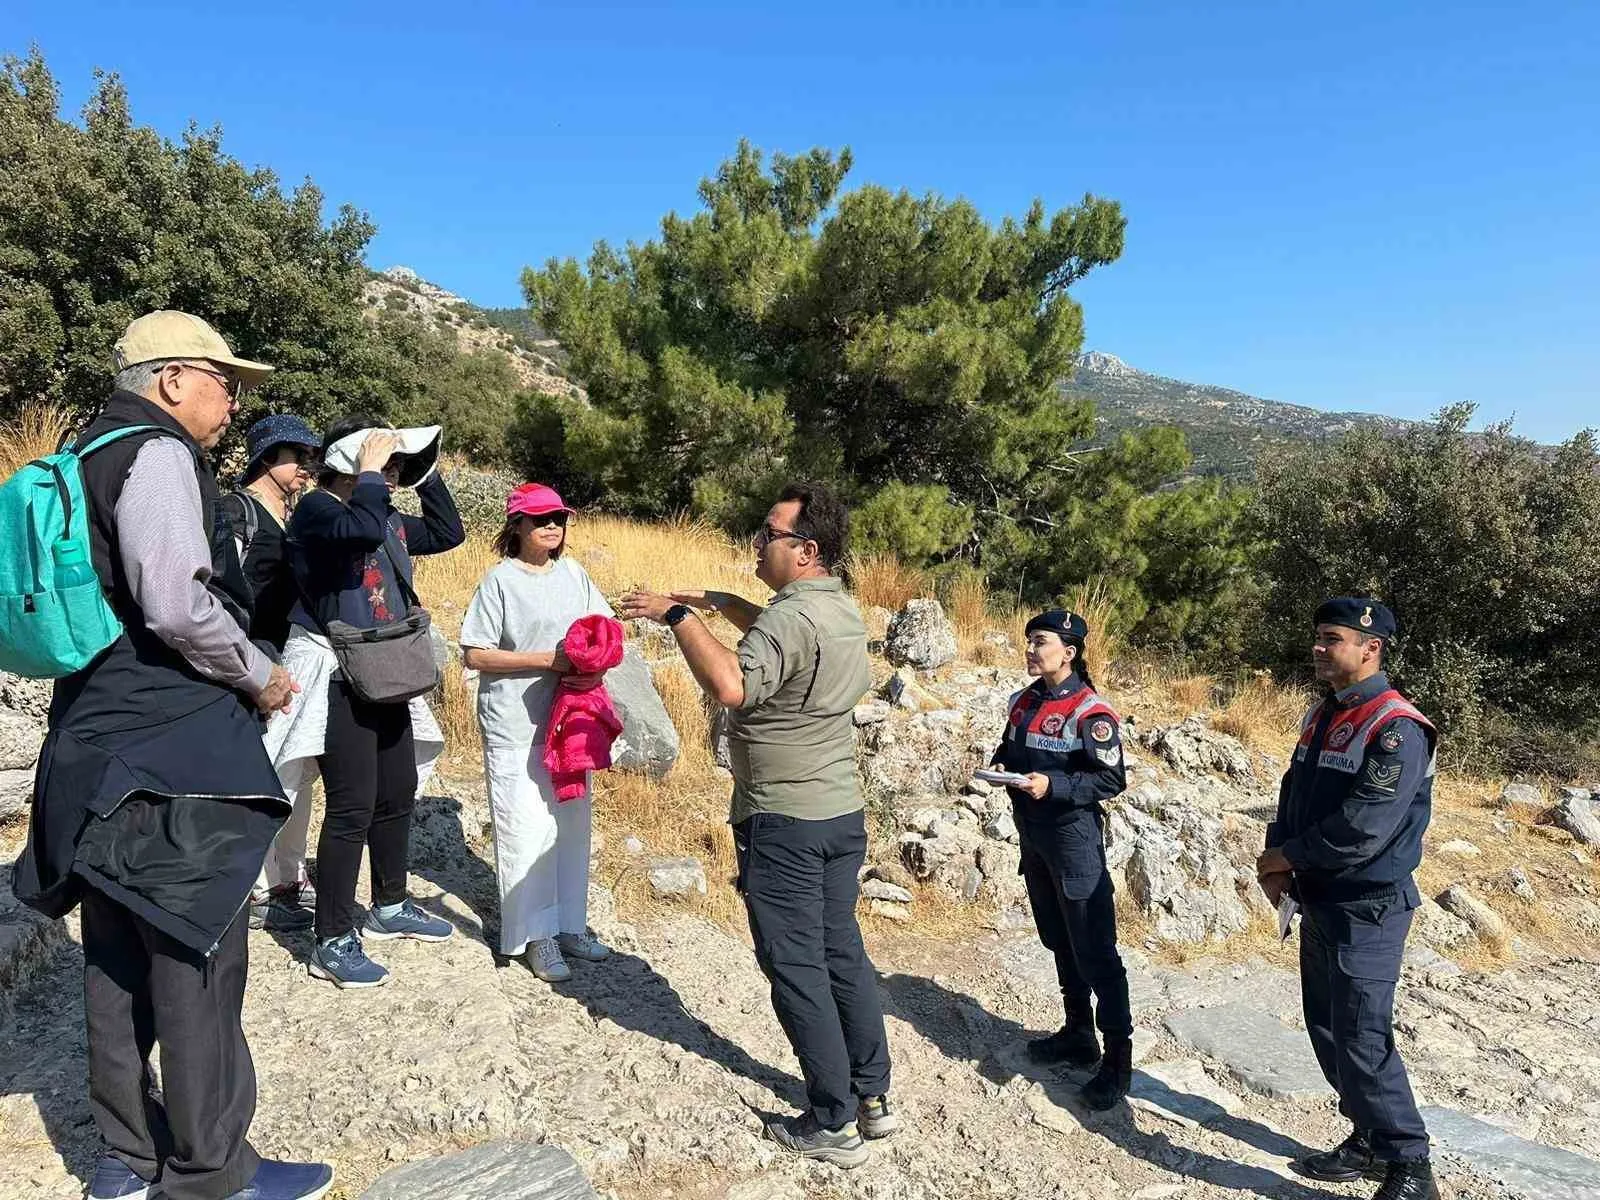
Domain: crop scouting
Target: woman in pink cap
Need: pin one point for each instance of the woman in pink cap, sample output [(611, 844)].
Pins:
[(512, 636)]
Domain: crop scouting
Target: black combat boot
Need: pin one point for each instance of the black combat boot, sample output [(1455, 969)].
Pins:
[(1074, 1044), (1409, 1181), (1112, 1081), (1350, 1159)]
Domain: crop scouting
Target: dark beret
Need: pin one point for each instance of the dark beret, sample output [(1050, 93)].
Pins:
[(1364, 614), (1059, 621)]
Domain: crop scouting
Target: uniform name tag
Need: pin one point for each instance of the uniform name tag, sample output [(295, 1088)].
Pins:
[(1039, 741), (1334, 761)]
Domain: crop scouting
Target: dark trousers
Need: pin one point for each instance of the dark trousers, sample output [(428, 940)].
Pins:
[(1349, 965), (142, 989), (369, 774), (1071, 896), (799, 884)]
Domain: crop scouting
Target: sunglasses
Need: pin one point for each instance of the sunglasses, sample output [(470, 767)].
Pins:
[(768, 534), (234, 386), (558, 519)]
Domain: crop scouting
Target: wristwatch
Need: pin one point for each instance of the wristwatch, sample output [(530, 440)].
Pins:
[(674, 614)]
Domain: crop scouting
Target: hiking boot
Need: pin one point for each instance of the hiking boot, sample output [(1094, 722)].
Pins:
[(1112, 1081), (842, 1147), (875, 1118), (409, 922), (1073, 1044), (344, 963), (544, 959), (1351, 1159), (286, 1181), (1409, 1181), (113, 1179), (583, 947), (268, 911)]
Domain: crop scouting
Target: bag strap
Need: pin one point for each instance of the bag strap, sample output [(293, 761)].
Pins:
[(412, 599), (116, 435)]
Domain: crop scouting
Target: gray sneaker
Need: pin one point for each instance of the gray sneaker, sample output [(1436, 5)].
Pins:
[(842, 1147), (344, 963), (876, 1118), (409, 922)]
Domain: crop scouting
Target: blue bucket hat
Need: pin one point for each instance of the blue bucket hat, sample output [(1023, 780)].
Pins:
[(280, 429)]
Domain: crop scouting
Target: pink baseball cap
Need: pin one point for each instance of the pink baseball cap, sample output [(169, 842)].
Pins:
[(534, 499)]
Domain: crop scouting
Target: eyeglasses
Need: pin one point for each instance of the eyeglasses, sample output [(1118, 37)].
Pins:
[(767, 534), (234, 385), (539, 521)]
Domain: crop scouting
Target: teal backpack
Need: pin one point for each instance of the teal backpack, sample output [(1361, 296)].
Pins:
[(54, 617)]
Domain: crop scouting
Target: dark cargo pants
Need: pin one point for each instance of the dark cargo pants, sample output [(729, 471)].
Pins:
[(1349, 964), (799, 884)]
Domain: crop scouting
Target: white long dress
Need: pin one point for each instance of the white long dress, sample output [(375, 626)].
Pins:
[(541, 846)]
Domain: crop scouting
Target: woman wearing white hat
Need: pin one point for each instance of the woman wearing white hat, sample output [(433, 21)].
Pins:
[(351, 553)]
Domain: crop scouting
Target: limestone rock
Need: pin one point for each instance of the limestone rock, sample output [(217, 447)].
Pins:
[(677, 876), (1191, 748), (1485, 922), (1460, 848), (920, 636), (870, 712), (16, 793), (903, 691), (878, 889), (20, 739), (27, 939), (1577, 815), (890, 911), (1521, 793), (502, 1170), (1002, 828), (29, 697), (1437, 928), (892, 873), (649, 742)]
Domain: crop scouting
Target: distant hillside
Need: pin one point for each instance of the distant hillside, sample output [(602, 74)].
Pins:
[(1226, 429), (538, 359)]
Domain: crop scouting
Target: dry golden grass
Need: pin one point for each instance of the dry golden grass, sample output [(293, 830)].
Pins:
[(1094, 602), (1262, 713), (883, 581), (1192, 691), (966, 603), (32, 433)]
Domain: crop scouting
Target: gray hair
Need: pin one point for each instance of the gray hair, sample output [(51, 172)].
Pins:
[(138, 377)]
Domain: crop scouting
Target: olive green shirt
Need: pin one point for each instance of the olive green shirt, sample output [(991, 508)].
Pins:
[(792, 743)]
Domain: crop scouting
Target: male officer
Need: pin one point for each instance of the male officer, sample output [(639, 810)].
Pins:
[(1352, 809)]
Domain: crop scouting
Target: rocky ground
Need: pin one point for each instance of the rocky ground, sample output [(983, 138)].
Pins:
[(653, 1069)]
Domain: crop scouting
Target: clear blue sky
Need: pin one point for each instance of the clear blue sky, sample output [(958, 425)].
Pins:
[(1386, 206)]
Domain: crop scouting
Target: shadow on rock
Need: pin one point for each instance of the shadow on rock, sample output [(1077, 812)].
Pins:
[(42, 1057), (441, 855), (963, 1029), (627, 991)]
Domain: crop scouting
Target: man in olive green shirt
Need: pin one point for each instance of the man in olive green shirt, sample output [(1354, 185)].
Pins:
[(798, 821)]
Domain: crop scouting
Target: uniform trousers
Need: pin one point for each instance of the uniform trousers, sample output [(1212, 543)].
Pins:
[(1070, 892), (143, 989), (799, 880), (1349, 964)]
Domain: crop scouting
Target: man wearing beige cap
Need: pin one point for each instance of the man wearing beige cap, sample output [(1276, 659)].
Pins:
[(155, 802)]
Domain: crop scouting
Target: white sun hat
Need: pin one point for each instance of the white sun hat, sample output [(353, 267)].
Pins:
[(419, 445)]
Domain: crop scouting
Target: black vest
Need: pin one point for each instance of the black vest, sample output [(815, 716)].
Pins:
[(140, 677)]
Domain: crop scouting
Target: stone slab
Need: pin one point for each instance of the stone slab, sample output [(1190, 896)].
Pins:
[(1527, 1169), (1258, 1050), (1182, 1091), (501, 1170)]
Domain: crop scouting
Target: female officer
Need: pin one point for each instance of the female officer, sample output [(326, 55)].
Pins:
[(1063, 738)]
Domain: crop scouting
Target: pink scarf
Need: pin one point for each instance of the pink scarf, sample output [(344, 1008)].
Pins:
[(583, 723)]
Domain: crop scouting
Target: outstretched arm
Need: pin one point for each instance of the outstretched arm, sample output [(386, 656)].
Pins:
[(715, 667), (740, 612)]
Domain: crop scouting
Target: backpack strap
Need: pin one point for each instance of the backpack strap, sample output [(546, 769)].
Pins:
[(240, 510), (116, 435)]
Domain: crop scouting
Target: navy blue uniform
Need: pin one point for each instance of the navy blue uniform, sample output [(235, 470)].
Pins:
[(1352, 810), (1071, 736)]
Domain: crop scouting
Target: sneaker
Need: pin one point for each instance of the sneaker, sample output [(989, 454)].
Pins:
[(583, 947), (544, 958), (286, 1181), (876, 1118), (842, 1147), (269, 912), (1072, 1044), (409, 922), (302, 894), (113, 1179), (344, 963), (1350, 1160)]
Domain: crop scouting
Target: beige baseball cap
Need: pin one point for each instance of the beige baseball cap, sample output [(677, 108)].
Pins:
[(171, 334)]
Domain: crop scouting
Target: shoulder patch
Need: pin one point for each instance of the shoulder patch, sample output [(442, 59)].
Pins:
[(1383, 775), (1391, 739), (1101, 730), (1110, 755)]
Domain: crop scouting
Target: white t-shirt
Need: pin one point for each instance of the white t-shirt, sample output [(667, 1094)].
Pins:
[(518, 608)]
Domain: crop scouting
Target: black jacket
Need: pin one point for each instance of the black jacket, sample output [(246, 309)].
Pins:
[(153, 786), (266, 568)]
